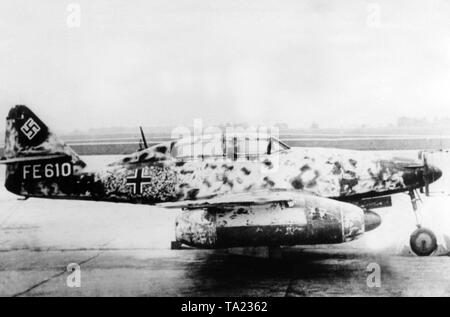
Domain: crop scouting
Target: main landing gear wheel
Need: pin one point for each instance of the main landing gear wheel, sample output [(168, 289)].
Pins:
[(423, 242)]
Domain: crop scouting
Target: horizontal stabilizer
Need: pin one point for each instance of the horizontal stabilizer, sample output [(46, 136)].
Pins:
[(31, 158)]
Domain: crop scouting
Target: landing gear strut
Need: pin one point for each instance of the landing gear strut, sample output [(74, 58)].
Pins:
[(423, 241)]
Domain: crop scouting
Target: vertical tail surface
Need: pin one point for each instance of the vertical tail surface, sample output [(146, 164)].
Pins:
[(33, 153)]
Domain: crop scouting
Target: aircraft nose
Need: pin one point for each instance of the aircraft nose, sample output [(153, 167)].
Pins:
[(434, 173)]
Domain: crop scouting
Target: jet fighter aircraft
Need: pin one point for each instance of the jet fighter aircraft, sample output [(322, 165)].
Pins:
[(235, 190)]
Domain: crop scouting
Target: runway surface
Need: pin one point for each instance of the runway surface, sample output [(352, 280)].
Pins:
[(123, 250)]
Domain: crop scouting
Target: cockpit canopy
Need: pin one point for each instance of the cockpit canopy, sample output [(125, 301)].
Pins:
[(233, 146)]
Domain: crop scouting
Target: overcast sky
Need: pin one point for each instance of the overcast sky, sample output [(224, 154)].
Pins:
[(338, 63)]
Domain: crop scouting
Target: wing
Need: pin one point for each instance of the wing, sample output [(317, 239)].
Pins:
[(228, 200)]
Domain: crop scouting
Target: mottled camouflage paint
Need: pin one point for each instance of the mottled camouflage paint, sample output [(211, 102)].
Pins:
[(330, 173), (306, 170)]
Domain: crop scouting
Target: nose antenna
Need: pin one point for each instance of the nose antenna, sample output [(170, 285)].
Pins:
[(143, 142)]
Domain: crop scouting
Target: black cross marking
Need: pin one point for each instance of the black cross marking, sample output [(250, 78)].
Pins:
[(137, 180)]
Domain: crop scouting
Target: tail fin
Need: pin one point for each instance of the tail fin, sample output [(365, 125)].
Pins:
[(30, 144), (27, 137)]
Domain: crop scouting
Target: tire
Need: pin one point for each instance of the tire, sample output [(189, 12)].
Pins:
[(423, 242)]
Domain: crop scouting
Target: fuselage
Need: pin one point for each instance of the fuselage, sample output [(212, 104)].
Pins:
[(155, 175)]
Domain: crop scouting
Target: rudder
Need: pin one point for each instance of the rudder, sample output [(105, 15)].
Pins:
[(28, 136)]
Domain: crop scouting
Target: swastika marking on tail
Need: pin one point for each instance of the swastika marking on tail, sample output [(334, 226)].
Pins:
[(30, 129)]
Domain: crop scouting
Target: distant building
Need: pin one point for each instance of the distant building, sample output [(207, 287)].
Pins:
[(314, 126), (281, 126), (407, 122)]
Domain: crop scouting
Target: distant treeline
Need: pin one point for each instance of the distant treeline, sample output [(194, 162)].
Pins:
[(436, 123), (403, 125), (119, 146)]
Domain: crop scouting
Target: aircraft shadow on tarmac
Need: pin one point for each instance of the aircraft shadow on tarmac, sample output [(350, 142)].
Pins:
[(298, 272)]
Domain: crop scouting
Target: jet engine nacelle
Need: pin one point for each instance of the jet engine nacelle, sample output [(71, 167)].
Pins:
[(309, 220)]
